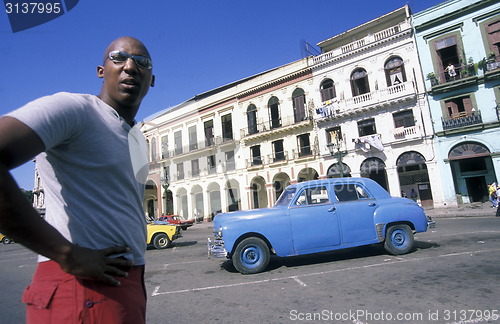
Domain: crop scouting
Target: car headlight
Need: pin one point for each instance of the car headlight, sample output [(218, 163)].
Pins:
[(218, 233)]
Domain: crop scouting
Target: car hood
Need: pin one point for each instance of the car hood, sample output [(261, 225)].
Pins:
[(223, 218)]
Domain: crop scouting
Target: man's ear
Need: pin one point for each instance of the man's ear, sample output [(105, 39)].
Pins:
[(100, 71), (152, 81)]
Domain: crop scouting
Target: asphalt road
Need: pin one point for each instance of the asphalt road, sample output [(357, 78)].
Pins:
[(453, 276)]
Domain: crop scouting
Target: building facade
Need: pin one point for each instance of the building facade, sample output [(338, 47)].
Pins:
[(458, 43), (357, 109)]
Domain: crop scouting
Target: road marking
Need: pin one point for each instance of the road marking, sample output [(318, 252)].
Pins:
[(299, 281), (157, 291)]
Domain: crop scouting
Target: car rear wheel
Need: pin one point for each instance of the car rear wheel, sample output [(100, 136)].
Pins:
[(161, 241), (251, 256), (6, 240), (399, 239)]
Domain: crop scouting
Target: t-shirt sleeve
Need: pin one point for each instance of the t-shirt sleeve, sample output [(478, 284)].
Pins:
[(56, 119)]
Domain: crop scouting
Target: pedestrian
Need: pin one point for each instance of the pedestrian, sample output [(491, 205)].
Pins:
[(492, 188), (451, 71), (92, 242), (413, 194), (498, 200)]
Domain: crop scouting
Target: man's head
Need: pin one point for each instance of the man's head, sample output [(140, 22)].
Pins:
[(127, 76)]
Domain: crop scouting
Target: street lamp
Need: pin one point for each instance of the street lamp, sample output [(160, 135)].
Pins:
[(335, 151), (165, 183)]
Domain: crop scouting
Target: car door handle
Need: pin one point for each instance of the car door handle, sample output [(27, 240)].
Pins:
[(372, 204), (331, 209)]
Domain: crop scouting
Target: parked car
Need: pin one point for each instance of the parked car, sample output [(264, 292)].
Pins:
[(5, 239), (318, 216), (177, 220), (161, 235)]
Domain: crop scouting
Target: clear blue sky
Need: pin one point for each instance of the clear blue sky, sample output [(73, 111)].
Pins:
[(196, 46)]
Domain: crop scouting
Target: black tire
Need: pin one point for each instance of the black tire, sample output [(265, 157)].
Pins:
[(251, 256), (6, 240), (184, 228), (161, 241), (399, 239)]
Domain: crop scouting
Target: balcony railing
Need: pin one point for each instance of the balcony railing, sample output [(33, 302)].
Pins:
[(404, 133), (268, 125), (462, 120), (461, 72), (196, 146), (278, 157), (337, 108), (365, 41), (492, 63)]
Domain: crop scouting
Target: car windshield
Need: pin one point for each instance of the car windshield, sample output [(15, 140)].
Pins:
[(285, 197)]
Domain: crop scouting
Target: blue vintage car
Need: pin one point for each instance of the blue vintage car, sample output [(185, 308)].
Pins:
[(318, 216)]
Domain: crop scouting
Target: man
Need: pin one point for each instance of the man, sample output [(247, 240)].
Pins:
[(93, 239)]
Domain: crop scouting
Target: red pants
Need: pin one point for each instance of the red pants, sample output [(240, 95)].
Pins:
[(57, 297)]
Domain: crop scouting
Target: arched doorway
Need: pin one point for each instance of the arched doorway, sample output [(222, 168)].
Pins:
[(414, 177), (280, 182), (374, 168), (182, 203), (259, 192), (472, 169), (151, 199), (233, 195), (334, 171), (307, 174), (214, 199), (197, 201)]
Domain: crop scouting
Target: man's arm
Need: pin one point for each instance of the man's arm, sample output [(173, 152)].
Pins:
[(19, 220)]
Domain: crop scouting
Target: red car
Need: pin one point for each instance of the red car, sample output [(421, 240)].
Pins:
[(176, 220)]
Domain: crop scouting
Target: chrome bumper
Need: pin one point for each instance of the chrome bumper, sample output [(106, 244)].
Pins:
[(216, 248)]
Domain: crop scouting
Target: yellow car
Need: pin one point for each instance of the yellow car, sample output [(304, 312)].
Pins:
[(161, 235), (5, 240)]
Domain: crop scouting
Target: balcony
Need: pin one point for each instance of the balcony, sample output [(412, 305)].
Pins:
[(466, 75), (196, 147), (462, 119), (492, 68), (367, 41), (278, 158), (406, 133), (257, 162), (264, 128), (381, 98)]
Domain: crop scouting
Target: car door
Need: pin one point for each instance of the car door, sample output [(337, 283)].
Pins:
[(355, 207), (314, 223)]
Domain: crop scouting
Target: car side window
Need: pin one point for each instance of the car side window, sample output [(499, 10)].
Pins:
[(350, 192), (313, 196)]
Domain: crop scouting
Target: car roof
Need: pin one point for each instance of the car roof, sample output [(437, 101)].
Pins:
[(373, 186)]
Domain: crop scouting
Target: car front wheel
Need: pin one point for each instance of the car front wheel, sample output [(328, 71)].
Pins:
[(161, 241), (399, 239), (251, 256)]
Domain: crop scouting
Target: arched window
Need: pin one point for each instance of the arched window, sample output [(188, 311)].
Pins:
[(395, 71), (327, 89), (359, 82), (299, 105), (468, 150), (252, 119), (274, 112)]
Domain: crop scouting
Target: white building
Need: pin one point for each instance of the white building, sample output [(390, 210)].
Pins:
[(238, 146)]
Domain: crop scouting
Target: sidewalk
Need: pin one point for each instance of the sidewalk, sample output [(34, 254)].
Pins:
[(465, 210)]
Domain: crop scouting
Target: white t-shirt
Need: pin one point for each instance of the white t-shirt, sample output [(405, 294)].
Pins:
[(93, 171)]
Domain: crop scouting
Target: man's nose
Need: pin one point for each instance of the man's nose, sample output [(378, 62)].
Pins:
[(130, 65)]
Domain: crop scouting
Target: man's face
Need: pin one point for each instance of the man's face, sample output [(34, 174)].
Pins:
[(125, 83)]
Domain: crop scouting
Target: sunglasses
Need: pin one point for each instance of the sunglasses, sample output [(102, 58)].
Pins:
[(121, 57)]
